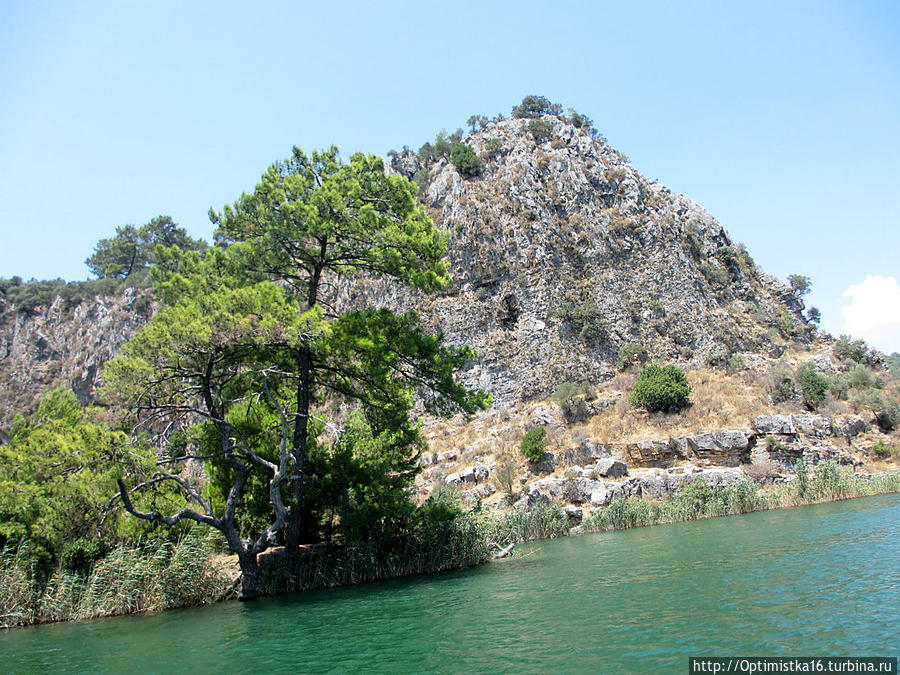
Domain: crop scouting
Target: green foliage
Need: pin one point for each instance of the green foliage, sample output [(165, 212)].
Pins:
[(736, 363), (28, 296), (786, 325), (861, 377), (154, 576), (586, 319), (506, 478), (133, 248), (812, 384), (893, 363), (467, 163), (58, 472), (774, 444), (781, 386), (532, 445), (631, 354), (534, 107), (493, 148), (814, 315), (80, 555), (477, 122), (849, 350), (545, 521), (715, 275), (540, 130), (799, 284), (661, 388), (572, 398), (242, 342), (883, 450)]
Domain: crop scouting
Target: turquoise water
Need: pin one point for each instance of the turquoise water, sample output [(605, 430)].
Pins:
[(819, 580)]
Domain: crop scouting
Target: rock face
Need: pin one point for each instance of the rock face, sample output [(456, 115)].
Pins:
[(60, 346), (561, 252)]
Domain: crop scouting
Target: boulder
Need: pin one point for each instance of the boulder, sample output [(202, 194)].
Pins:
[(612, 468), (727, 448), (454, 479), (765, 425), (482, 471), (573, 512), (448, 456), (814, 425), (479, 492)]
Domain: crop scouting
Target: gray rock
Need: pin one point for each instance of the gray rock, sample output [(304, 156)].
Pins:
[(612, 468), (453, 479), (729, 448), (479, 492), (468, 474), (851, 427), (448, 456), (814, 425), (573, 512), (481, 472), (765, 425)]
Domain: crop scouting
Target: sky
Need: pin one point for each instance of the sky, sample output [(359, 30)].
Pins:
[(780, 118)]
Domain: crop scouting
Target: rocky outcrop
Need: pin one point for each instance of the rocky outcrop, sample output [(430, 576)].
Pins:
[(561, 252), (62, 346)]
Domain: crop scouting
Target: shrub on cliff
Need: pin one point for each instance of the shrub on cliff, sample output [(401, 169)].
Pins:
[(661, 388), (813, 385), (465, 160), (532, 445)]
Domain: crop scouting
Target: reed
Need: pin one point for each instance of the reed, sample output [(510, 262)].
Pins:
[(131, 579), (433, 548)]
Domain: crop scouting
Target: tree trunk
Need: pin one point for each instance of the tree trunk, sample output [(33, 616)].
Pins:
[(251, 576)]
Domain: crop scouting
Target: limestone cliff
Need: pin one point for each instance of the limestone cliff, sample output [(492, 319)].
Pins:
[(561, 252)]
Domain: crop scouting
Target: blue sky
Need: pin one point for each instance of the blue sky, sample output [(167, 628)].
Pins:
[(781, 118)]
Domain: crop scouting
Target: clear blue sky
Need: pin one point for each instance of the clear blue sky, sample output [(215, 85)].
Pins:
[(781, 118)]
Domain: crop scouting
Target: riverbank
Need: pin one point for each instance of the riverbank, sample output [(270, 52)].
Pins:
[(191, 572)]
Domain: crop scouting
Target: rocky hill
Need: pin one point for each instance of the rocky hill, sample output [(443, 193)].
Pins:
[(561, 253)]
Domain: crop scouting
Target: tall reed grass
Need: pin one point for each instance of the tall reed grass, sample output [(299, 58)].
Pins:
[(152, 577), (435, 548), (546, 521), (828, 482)]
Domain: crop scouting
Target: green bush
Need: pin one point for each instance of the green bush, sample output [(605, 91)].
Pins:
[(493, 148), (465, 160), (849, 350), (572, 398), (630, 354), (782, 387), (80, 555), (715, 275), (661, 388), (585, 318), (532, 445), (540, 130), (813, 385), (534, 107), (861, 377), (883, 450)]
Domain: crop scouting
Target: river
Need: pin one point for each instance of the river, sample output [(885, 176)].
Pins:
[(817, 580)]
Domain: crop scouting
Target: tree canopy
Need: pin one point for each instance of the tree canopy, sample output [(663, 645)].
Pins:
[(245, 359), (133, 248)]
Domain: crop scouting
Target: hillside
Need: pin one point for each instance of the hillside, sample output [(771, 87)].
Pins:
[(561, 253), (569, 266)]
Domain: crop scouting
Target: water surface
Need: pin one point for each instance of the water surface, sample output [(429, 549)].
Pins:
[(819, 580)]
